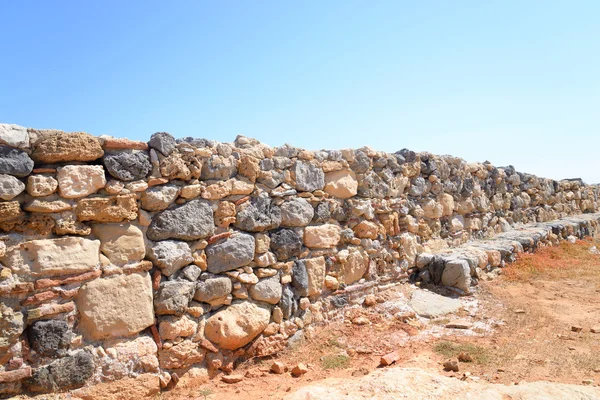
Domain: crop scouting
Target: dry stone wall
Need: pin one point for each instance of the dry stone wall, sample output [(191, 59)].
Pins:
[(121, 258)]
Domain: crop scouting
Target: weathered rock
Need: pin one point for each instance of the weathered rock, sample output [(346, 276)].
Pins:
[(11, 327), (296, 212), (15, 162), (299, 370), (127, 165), (432, 305), (163, 142), (315, 270), (10, 187), (14, 136), (181, 355), (80, 180), (57, 146), (158, 198), (107, 209), (191, 272), (288, 303), (371, 185), (170, 256), (41, 206), (9, 211), (141, 387), (286, 243), (355, 265), (213, 290), (366, 229), (41, 185), (457, 273), (231, 253), (191, 221), (120, 305), (341, 184), (69, 372), (322, 236), (121, 243), (172, 328), (236, 325), (308, 177), (50, 337), (268, 290), (219, 167), (126, 356), (300, 278), (258, 215), (173, 297), (67, 255)]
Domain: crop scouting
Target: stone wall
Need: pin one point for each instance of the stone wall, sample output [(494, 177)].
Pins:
[(122, 258)]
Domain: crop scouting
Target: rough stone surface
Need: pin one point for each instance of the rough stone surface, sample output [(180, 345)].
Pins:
[(127, 165), (14, 136), (69, 372), (10, 187), (219, 167), (15, 162), (355, 266), (50, 337), (296, 212), (11, 327), (158, 198), (230, 253), (41, 185), (322, 236), (191, 221), (183, 354), (122, 243), (80, 180), (432, 305), (115, 306), (107, 209), (170, 256), (57, 146), (457, 273), (141, 387), (308, 176), (268, 290), (258, 215), (286, 243), (173, 297), (163, 142), (237, 325), (213, 290), (341, 184), (315, 270), (68, 255)]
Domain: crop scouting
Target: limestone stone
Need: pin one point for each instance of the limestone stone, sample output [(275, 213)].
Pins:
[(341, 184), (127, 356), (308, 176), (219, 167), (41, 206), (127, 165), (9, 210), (286, 243), (10, 187), (120, 305), (366, 229), (263, 242), (170, 256), (447, 202), (191, 221), (236, 325), (144, 386), (457, 273), (14, 136), (213, 290), (296, 212), (15, 162), (230, 253), (173, 297), (258, 215), (107, 209), (80, 180), (174, 327), (50, 337), (225, 214), (41, 185), (315, 269), (248, 167), (191, 191), (158, 198), (67, 255), (355, 265), (11, 327), (432, 305), (268, 290), (182, 355), (122, 243), (57, 146), (432, 209), (322, 236)]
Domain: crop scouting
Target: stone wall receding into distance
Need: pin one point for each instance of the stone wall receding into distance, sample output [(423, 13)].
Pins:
[(122, 258)]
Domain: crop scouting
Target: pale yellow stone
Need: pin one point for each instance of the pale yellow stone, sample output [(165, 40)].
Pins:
[(122, 243), (76, 181), (341, 184), (67, 255), (322, 236)]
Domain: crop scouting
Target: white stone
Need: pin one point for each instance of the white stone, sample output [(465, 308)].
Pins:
[(80, 180)]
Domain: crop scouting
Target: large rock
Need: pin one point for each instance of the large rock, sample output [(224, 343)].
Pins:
[(67, 255), (213, 291), (432, 305), (286, 243), (127, 356), (371, 185), (41, 185), (80, 180), (158, 198), (219, 167), (57, 146), (236, 325), (107, 209), (173, 297), (231, 253), (191, 221), (258, 215), (14, 136), (296, 212), (50, 338), (268, 290), (69, 372), (308, 176), (120, 305), (322, 236), (457, 273), (341, 184), (170, 256), (163, 142), (15, 162), (10, 187), (128, 165), (121, 243)]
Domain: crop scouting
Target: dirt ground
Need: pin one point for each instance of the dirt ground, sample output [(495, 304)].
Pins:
[(524, 329)]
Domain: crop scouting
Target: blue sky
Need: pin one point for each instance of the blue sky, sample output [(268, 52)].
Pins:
[(512, 82)]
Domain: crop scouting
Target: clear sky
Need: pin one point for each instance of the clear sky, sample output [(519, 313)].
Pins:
[(512, 82)]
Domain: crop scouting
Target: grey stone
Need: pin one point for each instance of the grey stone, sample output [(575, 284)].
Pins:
[(286, 150), (361, 163), (70, 372), (15, 162), (268, 290), (424, 259), (191, 221), (219, 167), (286, 243), (308, 176), (158, 198), (230, 253), (14, 136), (432, 305), (127, 165), (322, 213), (163, 142), (288, 303), (300, 278), (212, 290), (191, 272), (371, 185), (457, 273), (258, 215), (418, 187), (50, 337), (170, 256), (296, 212), (10, 187), (173, 297)]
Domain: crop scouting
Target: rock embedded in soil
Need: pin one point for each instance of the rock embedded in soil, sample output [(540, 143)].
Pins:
[(389, 358), (459, 324), (299, 370), (232, 378), (278, 368), (451, 365)]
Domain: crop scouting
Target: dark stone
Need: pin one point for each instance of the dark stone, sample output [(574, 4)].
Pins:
[(163, 142), (339, 301), (285, 243), (288, 303), (173, 297), (259, 215), (418, 187), (300, 278), (361, 163), (127, 165), (15, 162), (67, 373), (50, 337), (373, 186), (191, 272), (198, 142), (230, 253), (408, 155), (287, 151), (212, 289), (219, 167), (191, 221), (308, 176), (322, 213)]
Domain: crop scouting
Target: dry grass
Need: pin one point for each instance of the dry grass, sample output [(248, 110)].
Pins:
[(339, 361), (480, 354)]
